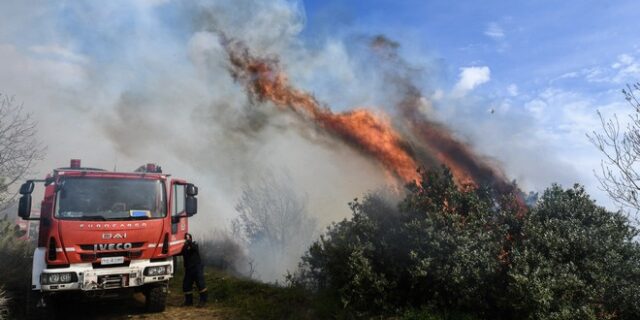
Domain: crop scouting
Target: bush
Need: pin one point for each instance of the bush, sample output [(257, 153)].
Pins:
[(471, 253), (441, 248), (15, 262), (222, 252)]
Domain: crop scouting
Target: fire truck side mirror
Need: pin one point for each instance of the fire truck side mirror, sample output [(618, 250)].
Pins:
[(191, 205), (24, 206), (27, 187), (191, 190)]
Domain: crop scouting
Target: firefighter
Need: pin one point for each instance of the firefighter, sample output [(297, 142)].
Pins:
[(193, 272)]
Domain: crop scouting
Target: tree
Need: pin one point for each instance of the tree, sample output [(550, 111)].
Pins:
[(19, 148), (620, 169), (575, 261), (274, 222)]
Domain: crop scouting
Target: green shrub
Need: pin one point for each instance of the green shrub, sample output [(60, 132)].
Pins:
[(468, 252), (576, 261), (440, 248)]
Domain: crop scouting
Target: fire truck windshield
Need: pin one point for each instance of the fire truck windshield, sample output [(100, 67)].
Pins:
[(110, 199)]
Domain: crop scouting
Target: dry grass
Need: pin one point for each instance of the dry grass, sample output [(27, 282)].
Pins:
[(4, 305)]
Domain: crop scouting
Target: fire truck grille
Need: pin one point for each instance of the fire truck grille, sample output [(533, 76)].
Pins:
[(112, 254), (127, 254), (113, 281)]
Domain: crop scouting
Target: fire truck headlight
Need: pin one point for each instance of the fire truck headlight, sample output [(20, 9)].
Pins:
[(156, 271), (57, 278), (65, 277)]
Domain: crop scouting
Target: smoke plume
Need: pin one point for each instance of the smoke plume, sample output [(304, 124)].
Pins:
[(370, 133)]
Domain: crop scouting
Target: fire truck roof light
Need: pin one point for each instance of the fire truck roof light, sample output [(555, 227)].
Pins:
[(75, 164), (149, 168)]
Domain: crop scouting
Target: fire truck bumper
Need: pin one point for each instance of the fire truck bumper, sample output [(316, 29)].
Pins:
[(87, 278)]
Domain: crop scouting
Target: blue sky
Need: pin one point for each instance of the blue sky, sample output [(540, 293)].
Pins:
[(526, 42)]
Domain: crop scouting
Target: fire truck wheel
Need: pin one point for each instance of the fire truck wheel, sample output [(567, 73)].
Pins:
[(156, 298), (38, 306)]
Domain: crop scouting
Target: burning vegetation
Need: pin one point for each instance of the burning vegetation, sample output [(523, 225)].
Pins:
[(401, 146)]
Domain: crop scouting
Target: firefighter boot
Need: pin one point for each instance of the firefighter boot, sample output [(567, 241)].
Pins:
[(203, 298), (188, 300)]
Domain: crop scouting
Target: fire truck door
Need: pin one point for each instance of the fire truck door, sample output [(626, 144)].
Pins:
[(178, 217)]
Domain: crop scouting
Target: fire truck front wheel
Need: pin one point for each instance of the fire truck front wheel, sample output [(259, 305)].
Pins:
[(156, 297)]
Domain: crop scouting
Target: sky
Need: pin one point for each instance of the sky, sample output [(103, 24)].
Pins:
[(121, 82)]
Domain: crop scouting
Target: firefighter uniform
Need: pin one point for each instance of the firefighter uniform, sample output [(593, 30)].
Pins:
[(193, 272)]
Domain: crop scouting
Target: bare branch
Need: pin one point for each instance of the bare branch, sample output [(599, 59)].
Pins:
[(620, 169), (19, 148), (273, 221)]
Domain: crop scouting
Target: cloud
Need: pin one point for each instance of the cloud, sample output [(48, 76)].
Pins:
[(470, 78), (512, 89), (625, 69), (494, 31), (45, 70)]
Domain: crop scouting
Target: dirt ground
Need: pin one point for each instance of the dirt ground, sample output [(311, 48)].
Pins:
[(134, 309)]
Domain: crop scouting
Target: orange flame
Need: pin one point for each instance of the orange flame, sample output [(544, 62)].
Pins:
[(368, 132)]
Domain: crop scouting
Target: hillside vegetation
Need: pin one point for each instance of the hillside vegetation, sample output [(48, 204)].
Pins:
[(440, 253), (471, 253)]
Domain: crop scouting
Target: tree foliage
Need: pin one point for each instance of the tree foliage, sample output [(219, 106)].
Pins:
[(577, 261), (459, 252)]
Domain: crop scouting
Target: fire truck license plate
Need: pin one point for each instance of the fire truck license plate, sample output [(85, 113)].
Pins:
[(112, 260)]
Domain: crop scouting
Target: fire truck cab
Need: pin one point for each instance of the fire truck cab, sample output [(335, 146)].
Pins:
[(105, 233)]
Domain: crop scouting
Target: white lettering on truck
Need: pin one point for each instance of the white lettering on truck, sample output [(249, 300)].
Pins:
[(112, 246)]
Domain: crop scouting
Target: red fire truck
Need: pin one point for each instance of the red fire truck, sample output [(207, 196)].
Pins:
[(105, 233)]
